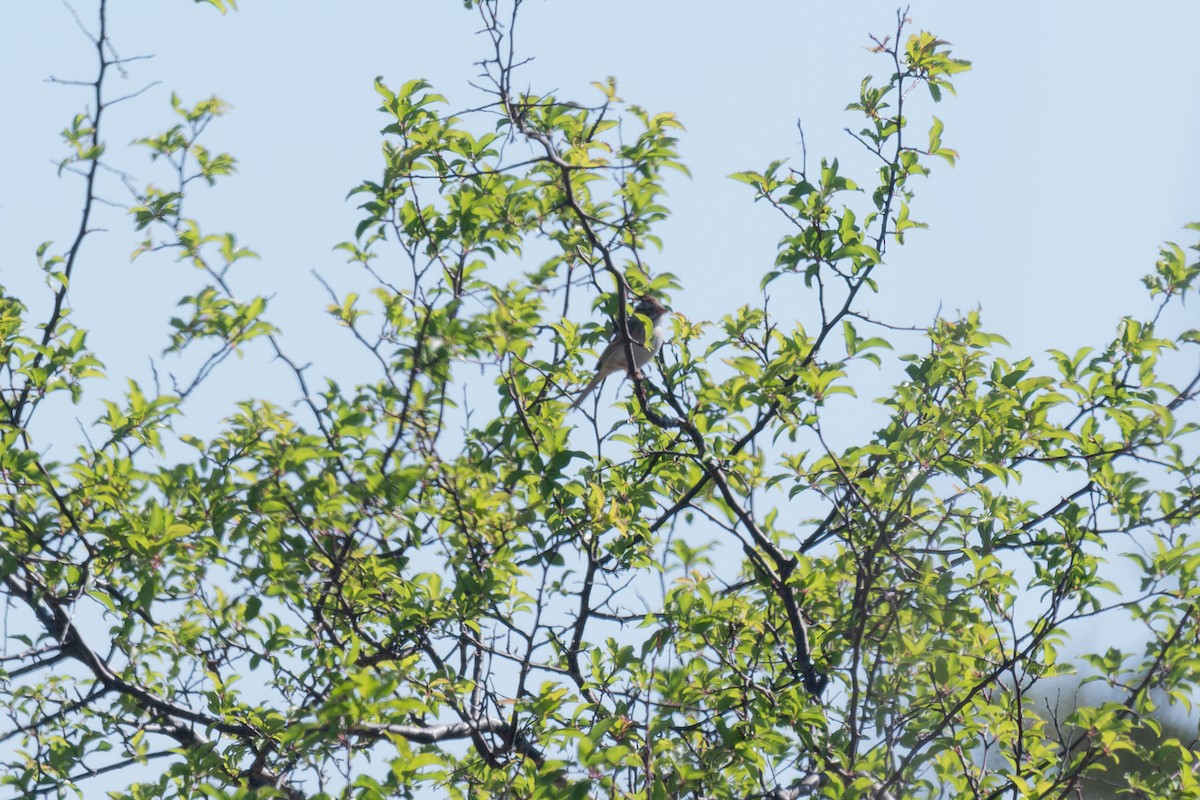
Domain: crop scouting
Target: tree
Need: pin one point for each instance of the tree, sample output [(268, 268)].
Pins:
[(421, 585)]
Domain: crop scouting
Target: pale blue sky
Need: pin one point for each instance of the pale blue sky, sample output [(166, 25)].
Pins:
[(1077, 131)]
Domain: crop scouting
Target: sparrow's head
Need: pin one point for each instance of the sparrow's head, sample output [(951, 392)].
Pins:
[(649, 306)]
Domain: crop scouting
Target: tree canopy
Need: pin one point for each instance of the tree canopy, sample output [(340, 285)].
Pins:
[(443, 581)]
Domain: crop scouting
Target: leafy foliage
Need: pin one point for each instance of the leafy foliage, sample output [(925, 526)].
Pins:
[(422, 585)]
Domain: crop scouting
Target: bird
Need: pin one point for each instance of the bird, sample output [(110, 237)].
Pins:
[(613, 359)]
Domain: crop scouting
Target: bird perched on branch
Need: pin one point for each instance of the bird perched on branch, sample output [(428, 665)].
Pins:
[(614, 358)]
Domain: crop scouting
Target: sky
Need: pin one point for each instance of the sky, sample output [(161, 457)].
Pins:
[(1076, 134), (1077, 131)]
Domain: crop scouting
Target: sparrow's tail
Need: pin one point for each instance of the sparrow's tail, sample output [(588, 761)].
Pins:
[(591, 387)]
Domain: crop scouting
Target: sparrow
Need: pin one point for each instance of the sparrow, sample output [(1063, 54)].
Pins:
[(613, 358)]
